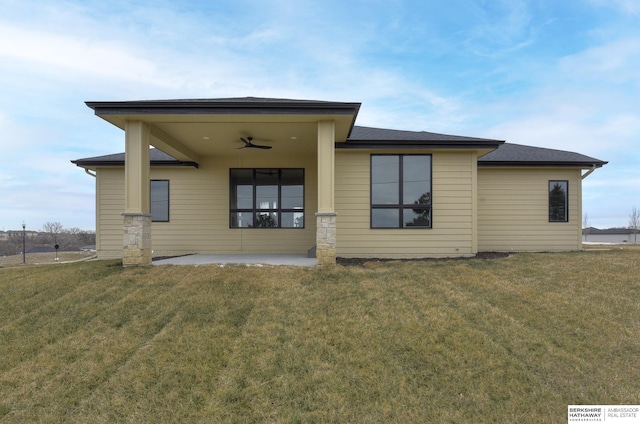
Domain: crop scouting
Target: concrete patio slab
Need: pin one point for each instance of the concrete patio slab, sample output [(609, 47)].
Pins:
[(199, 259)]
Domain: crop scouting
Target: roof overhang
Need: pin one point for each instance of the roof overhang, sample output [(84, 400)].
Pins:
[(380, 144), (538, 164), (189, 129), (381, 138)]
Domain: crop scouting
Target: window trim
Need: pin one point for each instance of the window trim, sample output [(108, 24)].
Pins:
[(168, 200), (279, 210), (400, 207), (566, 200)]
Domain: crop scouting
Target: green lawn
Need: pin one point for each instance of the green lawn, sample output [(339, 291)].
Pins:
[(503, 340)]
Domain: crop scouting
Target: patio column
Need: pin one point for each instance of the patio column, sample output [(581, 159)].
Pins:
[(137, 217), (326, 215)]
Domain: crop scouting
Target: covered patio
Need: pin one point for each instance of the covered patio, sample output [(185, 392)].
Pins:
[(209, 135), (249, 260)]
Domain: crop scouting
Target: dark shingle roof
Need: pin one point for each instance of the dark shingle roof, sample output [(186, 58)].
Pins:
[(368, 137), (223, 106), (156, 158), (607, 231), (510, 154), (506, 154)]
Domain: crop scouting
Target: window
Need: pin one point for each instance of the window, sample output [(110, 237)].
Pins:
[(401, 191), (159, 200), (558, 201), (266, 198)]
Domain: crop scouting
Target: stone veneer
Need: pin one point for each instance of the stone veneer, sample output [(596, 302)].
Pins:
[(137, 239), (326, 238)]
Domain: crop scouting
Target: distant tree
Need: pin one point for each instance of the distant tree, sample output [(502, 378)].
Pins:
[(585, 226), (51, 233), (86, 237), (13, 245), (634, 222)]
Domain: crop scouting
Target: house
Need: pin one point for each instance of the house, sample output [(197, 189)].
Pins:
[(258, 175), (610, 235)]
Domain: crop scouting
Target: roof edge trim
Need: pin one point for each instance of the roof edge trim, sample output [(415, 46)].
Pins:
[(110, 164), (562, 164), (417, 145), (222, 107)]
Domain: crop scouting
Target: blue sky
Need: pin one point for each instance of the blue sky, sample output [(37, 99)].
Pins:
[(556, 74)]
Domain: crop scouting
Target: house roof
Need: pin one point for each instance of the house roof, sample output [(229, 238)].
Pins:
[(188, 129), (607, 231), (156, 158), (236, 105), (368, 137), (510, 154), (506, 155)]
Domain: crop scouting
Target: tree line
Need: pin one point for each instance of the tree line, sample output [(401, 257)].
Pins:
[(51, 234)]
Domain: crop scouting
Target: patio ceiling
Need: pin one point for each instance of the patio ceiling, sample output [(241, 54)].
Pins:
[(190, 129)]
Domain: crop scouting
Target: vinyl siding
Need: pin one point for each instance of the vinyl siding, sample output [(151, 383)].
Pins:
[(513, 210), (452, 214), (199, 210)]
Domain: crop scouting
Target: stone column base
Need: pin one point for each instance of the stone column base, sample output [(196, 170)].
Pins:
[(137, 239), (326, 238)]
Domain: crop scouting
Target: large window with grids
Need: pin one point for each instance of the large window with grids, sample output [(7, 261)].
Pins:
[(266, 198), (401, 191)]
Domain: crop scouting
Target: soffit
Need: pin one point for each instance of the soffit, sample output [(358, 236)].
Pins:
[(286, 133)]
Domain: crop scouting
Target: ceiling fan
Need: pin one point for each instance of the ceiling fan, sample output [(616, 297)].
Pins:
[(248, 143)]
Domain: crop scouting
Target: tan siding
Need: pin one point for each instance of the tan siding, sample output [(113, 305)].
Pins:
[(513, 210), (109, 207), (199, 211), (452, 232)]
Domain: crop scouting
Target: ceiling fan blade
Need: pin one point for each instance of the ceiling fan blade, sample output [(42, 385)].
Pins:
[(248, 143)]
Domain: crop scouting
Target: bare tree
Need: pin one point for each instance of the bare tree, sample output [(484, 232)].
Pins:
[(52, 231), (87, 237), (13, 245), (634, 222), (585, 226)]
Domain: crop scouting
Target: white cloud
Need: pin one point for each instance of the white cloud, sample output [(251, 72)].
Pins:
[(501, 27), (615, 62), (71, 56), (631, 7)]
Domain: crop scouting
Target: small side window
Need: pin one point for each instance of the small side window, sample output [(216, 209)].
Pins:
[(159, 200), (558, 201)]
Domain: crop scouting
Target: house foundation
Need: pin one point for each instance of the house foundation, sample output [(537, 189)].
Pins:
[(326, 238), (137, 239)]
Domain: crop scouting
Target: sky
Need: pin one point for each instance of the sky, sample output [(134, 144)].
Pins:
[(548, 73)]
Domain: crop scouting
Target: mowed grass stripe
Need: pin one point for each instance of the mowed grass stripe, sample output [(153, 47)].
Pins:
[(453, 351), (93, 300), (25, 292), (90, 358), (178, 369), (553, 324)]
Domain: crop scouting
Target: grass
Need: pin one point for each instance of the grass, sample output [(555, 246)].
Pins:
[(503, 340), (43, 258)]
